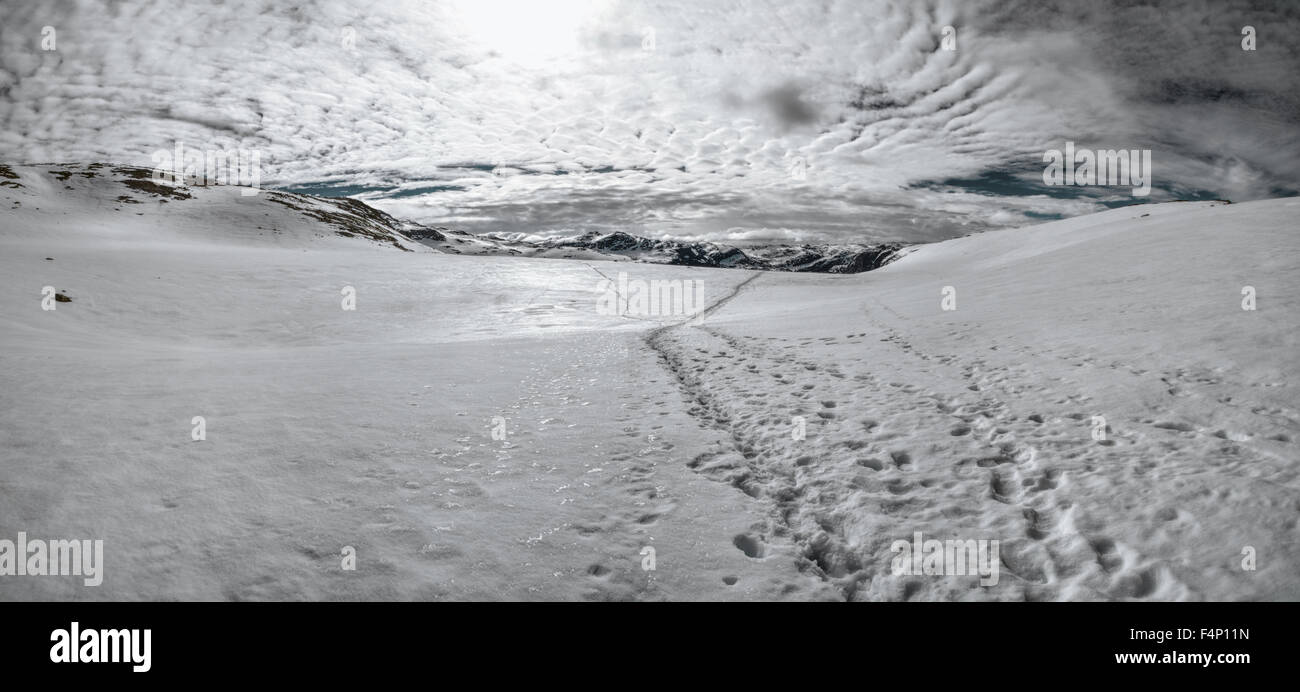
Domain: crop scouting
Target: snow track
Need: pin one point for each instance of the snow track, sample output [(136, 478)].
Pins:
[(971, 425)]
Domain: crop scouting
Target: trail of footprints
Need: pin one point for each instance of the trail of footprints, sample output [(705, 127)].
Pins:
[(1037, 490), (839, 521)]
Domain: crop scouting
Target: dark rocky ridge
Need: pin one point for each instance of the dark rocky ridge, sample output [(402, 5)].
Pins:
[(830, 259)]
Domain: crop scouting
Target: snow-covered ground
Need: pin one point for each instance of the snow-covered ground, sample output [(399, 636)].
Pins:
[(374, 428), (977, 422)]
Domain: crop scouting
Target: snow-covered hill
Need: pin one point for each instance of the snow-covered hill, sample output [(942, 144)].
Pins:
[(478, 428), (57, 198), (978, 422)]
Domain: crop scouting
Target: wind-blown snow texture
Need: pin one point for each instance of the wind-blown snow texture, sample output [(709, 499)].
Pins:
[(372, 428)]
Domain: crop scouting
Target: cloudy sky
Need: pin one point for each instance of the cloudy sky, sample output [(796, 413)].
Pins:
[(790, 120)]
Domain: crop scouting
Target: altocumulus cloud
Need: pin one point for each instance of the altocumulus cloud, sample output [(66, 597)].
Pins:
[(837, 120)]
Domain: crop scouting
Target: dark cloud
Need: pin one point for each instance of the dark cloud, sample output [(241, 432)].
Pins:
[(786, 103)]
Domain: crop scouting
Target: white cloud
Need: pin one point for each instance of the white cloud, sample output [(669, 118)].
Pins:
[(822, 121)]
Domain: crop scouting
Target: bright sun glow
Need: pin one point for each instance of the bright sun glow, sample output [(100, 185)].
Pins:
[(525, 30)]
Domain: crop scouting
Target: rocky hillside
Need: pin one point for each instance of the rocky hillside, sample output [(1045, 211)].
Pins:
[(832, 259)]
